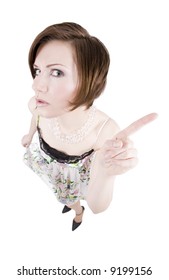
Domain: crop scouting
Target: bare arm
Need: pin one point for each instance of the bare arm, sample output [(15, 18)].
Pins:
[(115, 157), (27, 139)]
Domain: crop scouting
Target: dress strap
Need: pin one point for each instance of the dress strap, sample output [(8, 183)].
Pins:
[(38, 120), (101, 128), (37, 125)]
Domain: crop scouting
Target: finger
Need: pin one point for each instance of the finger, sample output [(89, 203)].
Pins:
[(113, 153), (132, 128), (128, 163), (113, 144), (122, 154), (112, 148), (116, 143), (26, 145), (128, 143), (131, 153)]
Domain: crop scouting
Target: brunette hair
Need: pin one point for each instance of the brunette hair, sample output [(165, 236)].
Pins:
[(91, 58)]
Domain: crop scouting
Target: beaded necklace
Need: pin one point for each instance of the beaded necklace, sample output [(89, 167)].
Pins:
[(78, 135)]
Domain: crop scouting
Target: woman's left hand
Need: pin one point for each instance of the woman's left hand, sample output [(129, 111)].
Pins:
[(119, 153)]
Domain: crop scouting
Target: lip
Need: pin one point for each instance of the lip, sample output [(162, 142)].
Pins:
[(41, 102)]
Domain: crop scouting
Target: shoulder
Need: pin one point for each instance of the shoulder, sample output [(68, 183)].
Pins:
[(111, 128), (108, 128), (109, 125), (32, 106)]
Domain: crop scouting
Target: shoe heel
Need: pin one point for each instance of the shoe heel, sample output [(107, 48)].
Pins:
[(75, 225)]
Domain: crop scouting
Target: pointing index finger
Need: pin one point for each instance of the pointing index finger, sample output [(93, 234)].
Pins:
[(132, 128)]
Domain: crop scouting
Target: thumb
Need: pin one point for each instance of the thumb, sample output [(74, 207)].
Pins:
[(116, 143)]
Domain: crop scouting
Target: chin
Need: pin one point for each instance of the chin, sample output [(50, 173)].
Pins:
[(42, 112)]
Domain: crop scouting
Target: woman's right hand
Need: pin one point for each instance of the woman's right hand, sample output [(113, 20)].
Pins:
[(119, 152), (26, 140)]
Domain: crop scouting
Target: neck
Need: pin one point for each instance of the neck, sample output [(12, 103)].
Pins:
[(73, 120)]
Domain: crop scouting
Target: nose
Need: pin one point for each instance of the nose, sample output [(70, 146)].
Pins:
[(40, 84)]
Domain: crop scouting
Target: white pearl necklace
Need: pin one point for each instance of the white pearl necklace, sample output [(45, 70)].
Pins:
[(78, 135)]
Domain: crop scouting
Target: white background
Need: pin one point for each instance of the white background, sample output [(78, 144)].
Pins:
[(134, 230)]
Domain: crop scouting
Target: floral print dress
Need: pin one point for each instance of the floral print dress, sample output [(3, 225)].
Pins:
[(68, 176)]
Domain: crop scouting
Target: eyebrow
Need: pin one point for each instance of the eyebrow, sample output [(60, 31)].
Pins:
[(49, 65)]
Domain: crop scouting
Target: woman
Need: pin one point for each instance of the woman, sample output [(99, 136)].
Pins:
[(79, 149)]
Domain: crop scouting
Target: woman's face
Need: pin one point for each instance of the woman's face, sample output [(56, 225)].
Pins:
[(56, 78)]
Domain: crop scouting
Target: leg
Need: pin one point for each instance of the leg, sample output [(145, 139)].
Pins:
[(78, 211)]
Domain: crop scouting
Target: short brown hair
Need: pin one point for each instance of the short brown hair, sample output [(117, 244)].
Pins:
[(91, 58)]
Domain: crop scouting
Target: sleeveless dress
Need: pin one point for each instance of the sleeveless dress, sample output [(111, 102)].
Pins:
[(67, 176)]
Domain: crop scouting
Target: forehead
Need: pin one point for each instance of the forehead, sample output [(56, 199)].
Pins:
[(55, 51)]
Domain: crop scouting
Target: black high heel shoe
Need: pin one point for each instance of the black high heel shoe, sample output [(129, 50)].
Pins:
[(75, 225), (66, 209)]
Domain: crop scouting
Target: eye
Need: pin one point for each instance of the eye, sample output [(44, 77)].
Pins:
[(57, 73), (36, 72)]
